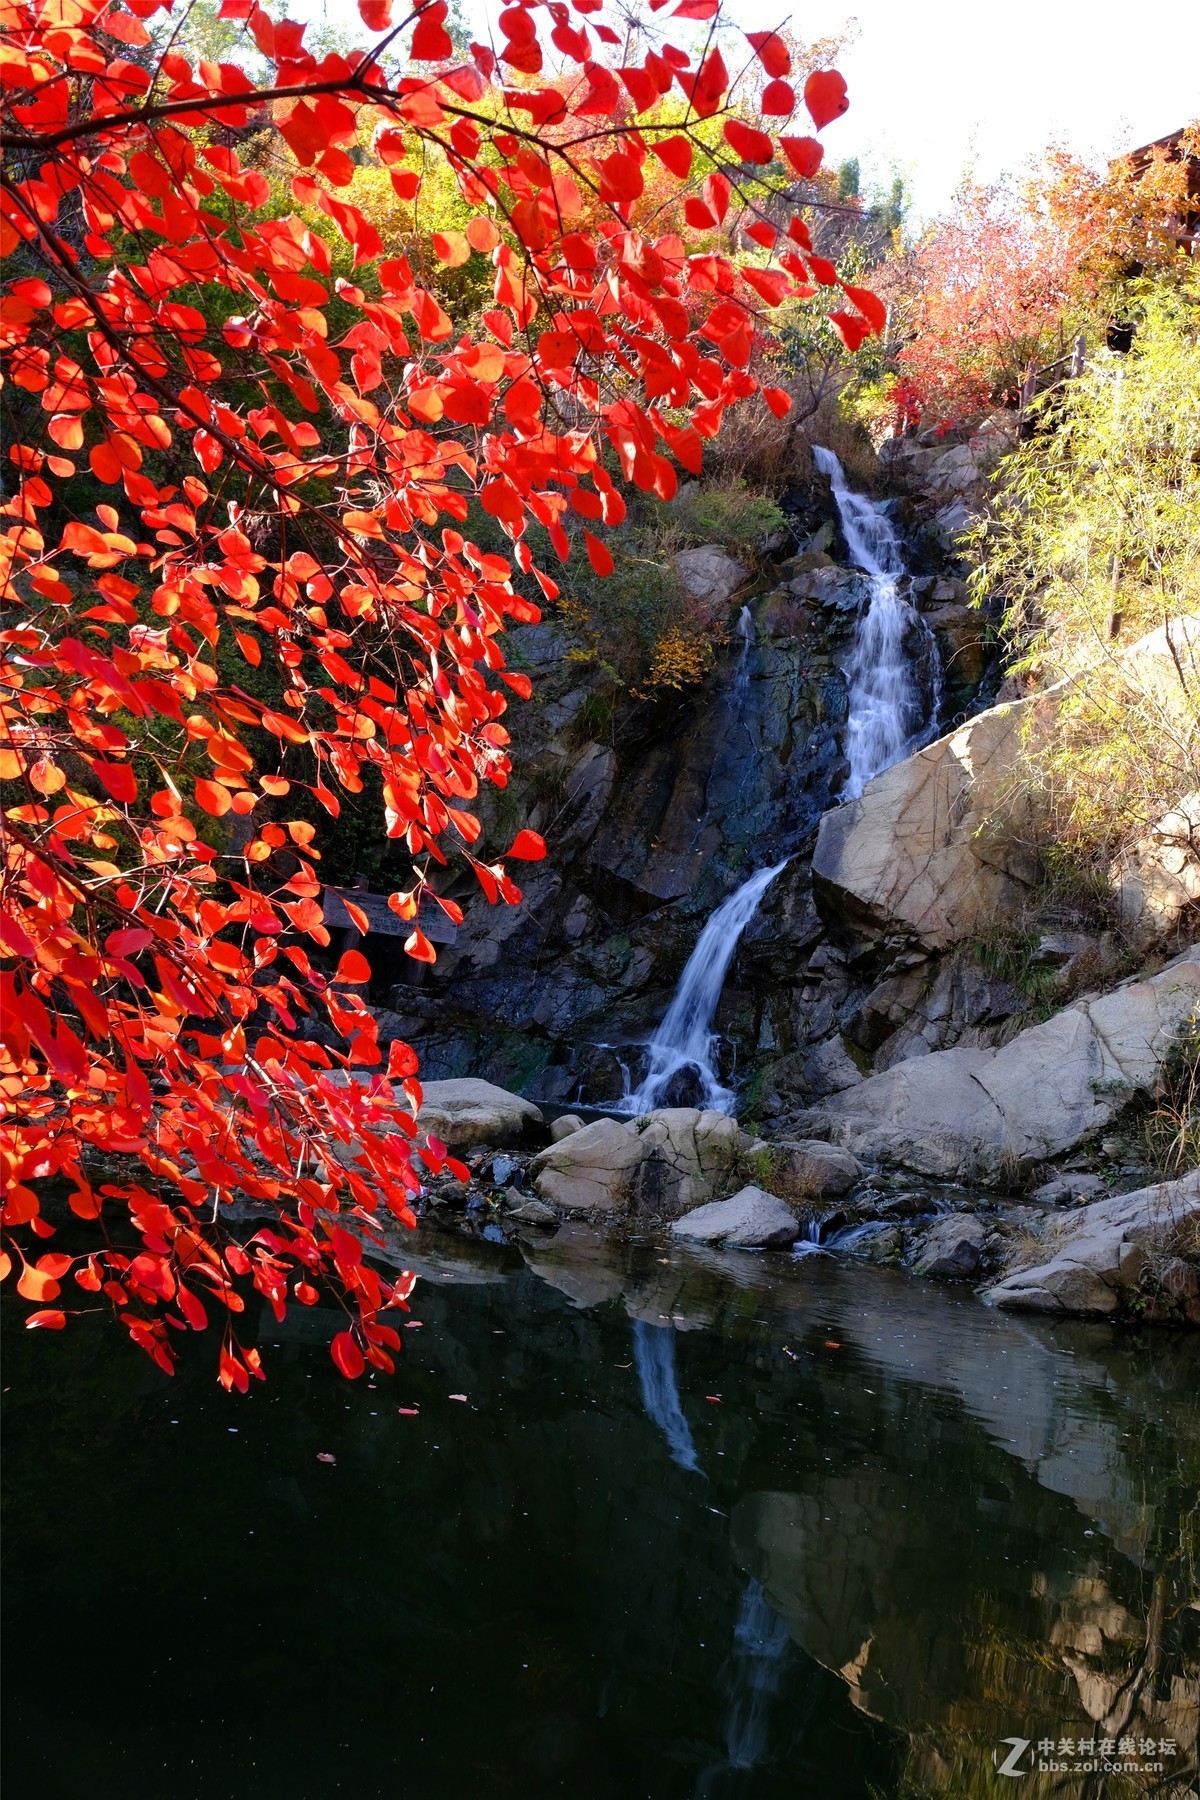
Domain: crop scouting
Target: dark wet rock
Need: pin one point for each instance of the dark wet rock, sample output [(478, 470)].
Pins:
[(685, 1088), (953, 1248), (1179, 1281), (533, 1212)]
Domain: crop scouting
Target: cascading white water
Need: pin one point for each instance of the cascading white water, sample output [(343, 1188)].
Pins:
[(685, 1038), (654, 1355), (809, 1242), (888, 711)]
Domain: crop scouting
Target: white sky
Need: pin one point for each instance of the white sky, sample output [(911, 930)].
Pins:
[(937, 86)]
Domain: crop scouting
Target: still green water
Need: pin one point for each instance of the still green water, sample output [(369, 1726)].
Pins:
[(705, 1526)]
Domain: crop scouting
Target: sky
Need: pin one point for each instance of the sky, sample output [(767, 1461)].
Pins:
[(938, 87)]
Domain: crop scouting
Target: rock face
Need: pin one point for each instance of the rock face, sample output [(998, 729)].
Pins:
[(469, 1112), (752, 1219), (913, 857), (1100, 1252), (983, 1114), (1158, 880)]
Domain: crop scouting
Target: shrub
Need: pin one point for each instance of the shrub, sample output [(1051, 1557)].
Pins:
[(1095, 541)]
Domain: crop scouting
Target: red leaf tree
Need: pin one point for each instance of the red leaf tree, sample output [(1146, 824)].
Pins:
[(227, 462)]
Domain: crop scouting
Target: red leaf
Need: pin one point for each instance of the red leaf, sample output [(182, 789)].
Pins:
[(772, 51), (850, 328), (419, 947), (353, 968), (599, 555), (213, 797), (357, 914), (34, 1285), (347, 1356), (778, 99), (376, 15), (675, 153), (804, 154), (431, 42), (825, 96), (778, 399), (48, 1320), (119, 779), (868, 304), (751, 145), (527, 846)]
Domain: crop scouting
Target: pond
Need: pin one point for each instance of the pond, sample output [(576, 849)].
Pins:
[(628, 1522)]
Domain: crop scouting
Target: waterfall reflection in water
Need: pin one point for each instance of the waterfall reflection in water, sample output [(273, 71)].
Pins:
[(654, 1356), (891, 709), (752, 1678)]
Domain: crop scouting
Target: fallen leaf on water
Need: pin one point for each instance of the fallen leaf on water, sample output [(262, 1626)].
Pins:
[(458, 1396), (832, 1344), (324, 1456), (413, 1324), (713, 1399), (408, 1412)]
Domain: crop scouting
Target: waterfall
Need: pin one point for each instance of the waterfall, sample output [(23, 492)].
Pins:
[(809, 1243), (654, 1355), (685, 1039), (741, 674), (888, 713)]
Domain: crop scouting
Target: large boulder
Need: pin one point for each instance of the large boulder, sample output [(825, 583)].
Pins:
[(808, 1169), (690, 1157), (982, 1115), (937, 847), (680, 1158), (470, 1112), (912, 856), (591, 1170), (711, 577), (1098, 1253), (752, 1219)]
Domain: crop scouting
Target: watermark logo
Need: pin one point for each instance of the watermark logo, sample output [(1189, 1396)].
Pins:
[(1018, 1756), (1011, 1764)]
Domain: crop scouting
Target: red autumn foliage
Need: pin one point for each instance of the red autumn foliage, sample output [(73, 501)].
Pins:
[(289, 463)]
